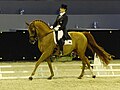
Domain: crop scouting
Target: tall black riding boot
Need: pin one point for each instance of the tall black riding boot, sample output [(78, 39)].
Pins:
[(61, 43), (61, 50), (56, 33)]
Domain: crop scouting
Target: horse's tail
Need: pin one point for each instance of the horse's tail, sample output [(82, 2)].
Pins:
[(103, 55)]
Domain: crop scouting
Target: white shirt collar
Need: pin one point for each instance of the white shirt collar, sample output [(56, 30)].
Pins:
[(61, 14)]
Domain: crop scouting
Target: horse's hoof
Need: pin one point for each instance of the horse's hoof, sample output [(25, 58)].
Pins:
[(94, 76), (49, 78), (79, 77), (30, 78)]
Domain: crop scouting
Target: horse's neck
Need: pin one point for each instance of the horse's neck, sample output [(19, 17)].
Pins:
[(44, 31)]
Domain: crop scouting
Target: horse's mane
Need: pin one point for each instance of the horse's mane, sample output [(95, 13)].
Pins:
[(42, 22)]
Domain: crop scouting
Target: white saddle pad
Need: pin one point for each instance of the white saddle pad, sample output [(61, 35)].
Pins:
[(60, 34)]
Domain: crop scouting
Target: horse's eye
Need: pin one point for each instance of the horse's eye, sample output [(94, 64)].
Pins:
[(33, 29)]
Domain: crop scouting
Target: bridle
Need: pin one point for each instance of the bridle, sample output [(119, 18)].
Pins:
[(34, 36)]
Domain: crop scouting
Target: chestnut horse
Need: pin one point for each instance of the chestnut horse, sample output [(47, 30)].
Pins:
[(41, 32)]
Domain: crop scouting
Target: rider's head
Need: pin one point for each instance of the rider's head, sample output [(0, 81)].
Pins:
[(63, 8)]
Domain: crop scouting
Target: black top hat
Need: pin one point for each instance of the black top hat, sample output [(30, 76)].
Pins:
[(64, 6)]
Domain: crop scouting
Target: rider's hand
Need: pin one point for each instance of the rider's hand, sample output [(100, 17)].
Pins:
[(51, 27), (56, 28)]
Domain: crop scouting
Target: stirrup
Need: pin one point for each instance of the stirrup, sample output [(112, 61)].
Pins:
[(61, 53)]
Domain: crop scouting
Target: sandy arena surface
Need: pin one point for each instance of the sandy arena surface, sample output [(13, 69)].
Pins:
[(62, 83)]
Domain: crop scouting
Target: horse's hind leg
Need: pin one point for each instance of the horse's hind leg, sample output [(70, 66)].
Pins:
[(88, 64), (84, 62), (83, 68), (50, 67)]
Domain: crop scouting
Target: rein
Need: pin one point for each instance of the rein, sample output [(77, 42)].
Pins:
[(44, 35)]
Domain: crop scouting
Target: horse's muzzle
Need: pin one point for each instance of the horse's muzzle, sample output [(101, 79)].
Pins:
[(32, 40)]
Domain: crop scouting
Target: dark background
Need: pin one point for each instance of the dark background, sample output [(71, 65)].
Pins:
[(15, 45), (51, 6)]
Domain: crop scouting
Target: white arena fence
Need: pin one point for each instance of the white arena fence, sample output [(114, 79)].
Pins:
[(60, 70)]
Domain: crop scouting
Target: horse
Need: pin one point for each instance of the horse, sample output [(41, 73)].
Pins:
[(39, 31)]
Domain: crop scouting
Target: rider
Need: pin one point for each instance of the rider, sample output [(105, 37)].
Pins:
[(60, 25)]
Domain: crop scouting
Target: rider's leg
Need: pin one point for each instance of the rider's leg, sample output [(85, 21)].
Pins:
[(59, 42), (56, 35)]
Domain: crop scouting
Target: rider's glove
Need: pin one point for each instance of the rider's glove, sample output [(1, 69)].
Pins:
[(56, 28), (51, 27)]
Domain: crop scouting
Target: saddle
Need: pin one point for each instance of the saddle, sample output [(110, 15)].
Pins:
[(66, 40)]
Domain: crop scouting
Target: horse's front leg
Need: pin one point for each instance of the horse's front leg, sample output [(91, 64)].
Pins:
[(43, 57), (50, 67), (36, 66)]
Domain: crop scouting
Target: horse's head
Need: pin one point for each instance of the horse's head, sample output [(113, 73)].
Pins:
[(38, 29), (32, 32)]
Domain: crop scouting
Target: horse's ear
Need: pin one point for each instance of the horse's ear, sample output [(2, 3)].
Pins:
[(27, 23)]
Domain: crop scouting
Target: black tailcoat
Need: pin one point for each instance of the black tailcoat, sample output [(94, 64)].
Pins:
[(62, 21)]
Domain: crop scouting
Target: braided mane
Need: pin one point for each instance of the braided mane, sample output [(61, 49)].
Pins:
[(42, 22)]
